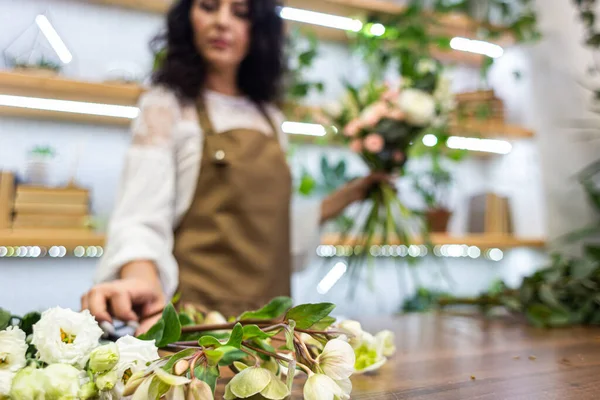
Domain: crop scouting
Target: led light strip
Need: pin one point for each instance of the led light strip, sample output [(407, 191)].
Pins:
[(331, 278), (317, 18), (76, 107), (300, 128), (483, 145), (477, 46), (54, 39)]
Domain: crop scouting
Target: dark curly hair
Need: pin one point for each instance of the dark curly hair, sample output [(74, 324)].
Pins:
[(184, 70)]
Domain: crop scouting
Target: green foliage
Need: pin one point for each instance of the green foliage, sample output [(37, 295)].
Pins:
[(306, 315), (276, 308), (424, 300), (433, 186), (167, 330), (301, 59)]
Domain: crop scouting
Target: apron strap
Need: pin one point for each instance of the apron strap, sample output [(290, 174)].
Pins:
[(208, 128)]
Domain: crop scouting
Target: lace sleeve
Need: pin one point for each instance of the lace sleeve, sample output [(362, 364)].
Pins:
[(159, 112)]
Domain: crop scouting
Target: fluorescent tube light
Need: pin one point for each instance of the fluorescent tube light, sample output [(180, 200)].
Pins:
[(331, 278), (300, 128), (77, 107), (317, 18), (475, 144), (54, 39), (477, 46)]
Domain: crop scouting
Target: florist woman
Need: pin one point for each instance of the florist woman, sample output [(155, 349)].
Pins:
[(204, 208)]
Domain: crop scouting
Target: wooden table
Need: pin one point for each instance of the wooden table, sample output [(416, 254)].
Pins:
[(448, 357), (439, 355)]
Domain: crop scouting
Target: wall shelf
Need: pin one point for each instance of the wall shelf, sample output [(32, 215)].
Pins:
[(60, 88), (71, 239), (480, 240), (453, 24)]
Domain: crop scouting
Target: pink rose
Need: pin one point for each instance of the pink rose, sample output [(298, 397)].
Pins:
[(372, 114), (356, 145), (353, 128), (396, 114), (374, 143)]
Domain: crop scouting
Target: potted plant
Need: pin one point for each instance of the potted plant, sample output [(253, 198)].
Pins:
[(38, 165), (42, 67), (433, 186)]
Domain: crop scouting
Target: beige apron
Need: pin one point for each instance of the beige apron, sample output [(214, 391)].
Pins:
[(233, 244)]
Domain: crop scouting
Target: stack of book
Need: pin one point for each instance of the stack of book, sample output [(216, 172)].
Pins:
[(37, 207), (490, 213), (7, 194)]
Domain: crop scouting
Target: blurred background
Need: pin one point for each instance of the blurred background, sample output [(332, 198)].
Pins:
[(499, 183)]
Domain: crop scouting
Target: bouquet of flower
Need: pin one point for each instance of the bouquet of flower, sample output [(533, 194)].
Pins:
[(58, 355), (381, 123)]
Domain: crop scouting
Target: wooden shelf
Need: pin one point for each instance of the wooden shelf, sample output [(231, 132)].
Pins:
[(491, 129), (70, 239), (482, 241), (452, 24), (59, 88)]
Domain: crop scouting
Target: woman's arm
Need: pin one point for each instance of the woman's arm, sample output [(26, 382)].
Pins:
[(138, 267)]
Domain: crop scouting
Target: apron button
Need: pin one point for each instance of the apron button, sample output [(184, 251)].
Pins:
[(220, 155)]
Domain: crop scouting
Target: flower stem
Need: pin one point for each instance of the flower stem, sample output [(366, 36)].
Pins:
[(217, 327), (265, 352), (256, 359)]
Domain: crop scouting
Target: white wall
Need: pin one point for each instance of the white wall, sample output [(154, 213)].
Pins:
[(105, 38)]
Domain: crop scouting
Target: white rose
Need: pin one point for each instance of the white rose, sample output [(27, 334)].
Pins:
[(61, 382), (12, 349), (28, 383), (65, 336), (418, 107)]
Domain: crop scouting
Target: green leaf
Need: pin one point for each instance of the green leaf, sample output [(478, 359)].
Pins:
[(583, 269), (176, 357), (274, 309), (237, 334), (209, 341), (559, 318), (5, 318), (167, 330), (306, 315), (155, 333), (593, 252), (28, 321), (539, 314), (289, 334), (549, 297), (208, 375), (253, 331), (185, 320), (172, 326), (230, 355), (323, 324), (214, 356)]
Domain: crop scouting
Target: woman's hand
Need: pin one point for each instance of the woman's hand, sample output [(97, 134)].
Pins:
[(135, 297), (355, 190)]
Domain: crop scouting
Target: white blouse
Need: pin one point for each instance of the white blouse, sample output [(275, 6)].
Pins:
[(159, 181)]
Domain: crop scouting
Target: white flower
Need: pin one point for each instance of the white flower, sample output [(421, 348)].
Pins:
[(322, 387), (337, 359), (418, 107), (385, 341), (134, 355), (369, 354), (353, 330), (107, 380), (6, 379), (104, 358), (443, 95), (28, 383), (61, 382), (65, 336), (199, 390), (426, 66), (12, 349)]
